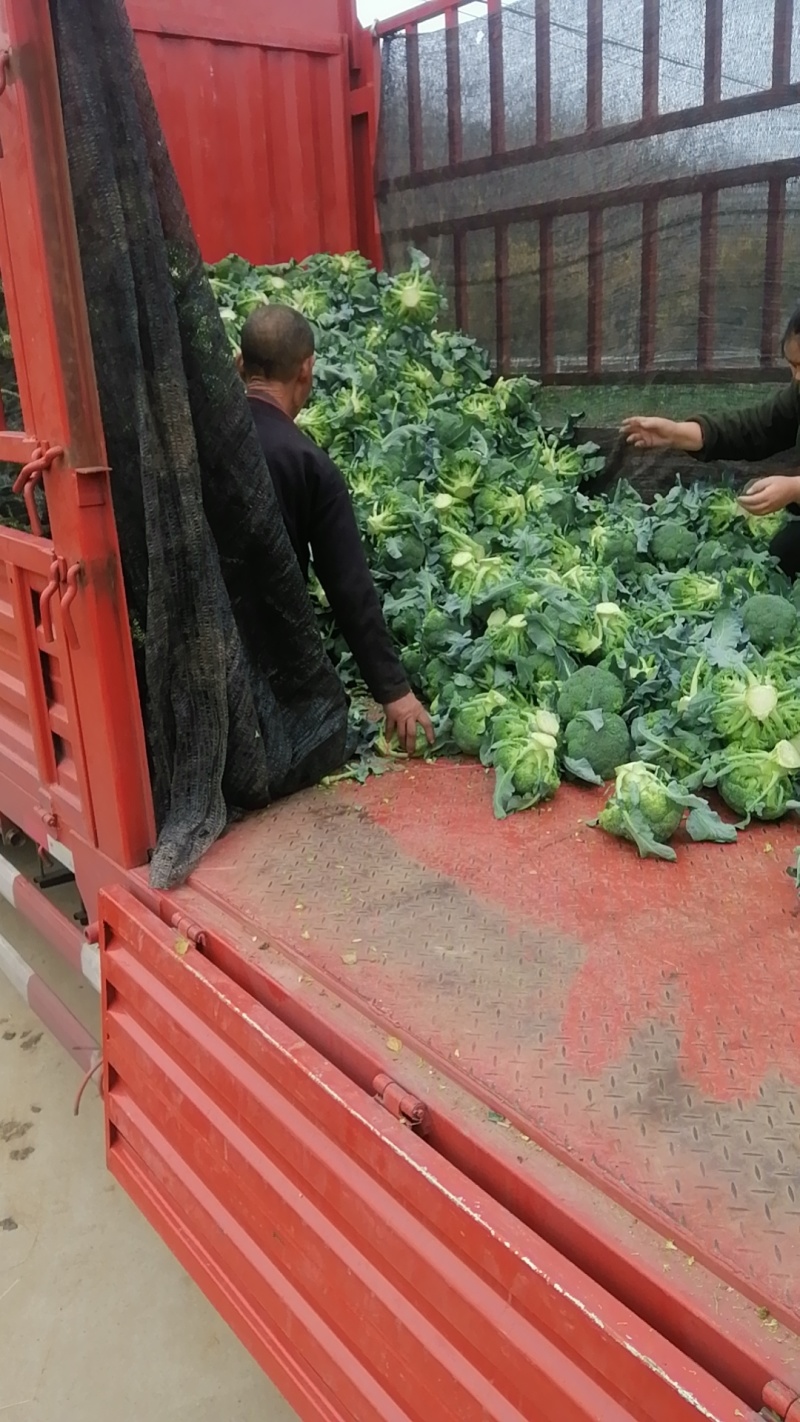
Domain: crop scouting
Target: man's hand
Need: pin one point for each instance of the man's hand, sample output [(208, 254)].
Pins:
[(645, 433), (404, 716), (768, 495)]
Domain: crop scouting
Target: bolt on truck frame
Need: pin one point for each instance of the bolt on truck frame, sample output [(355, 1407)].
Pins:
[(451, 1120)]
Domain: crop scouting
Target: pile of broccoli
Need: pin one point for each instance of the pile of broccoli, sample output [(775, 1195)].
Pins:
[(555, 634)]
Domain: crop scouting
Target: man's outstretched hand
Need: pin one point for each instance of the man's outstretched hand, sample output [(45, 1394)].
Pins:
[(404, 716), (646, 432)]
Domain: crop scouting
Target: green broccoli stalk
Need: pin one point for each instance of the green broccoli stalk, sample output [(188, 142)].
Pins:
[(412, 298), (694, 592), (500, 508), (508, 635), (753, 712), (316, 422)]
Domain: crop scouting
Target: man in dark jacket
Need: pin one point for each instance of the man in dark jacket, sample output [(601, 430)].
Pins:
[(757, 433), (277, 363)]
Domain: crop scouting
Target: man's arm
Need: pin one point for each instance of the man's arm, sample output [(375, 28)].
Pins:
[(753, 434), (756, 433), (341, 566)]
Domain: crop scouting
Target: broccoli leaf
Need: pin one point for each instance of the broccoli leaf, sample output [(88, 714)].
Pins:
[(581, 770), (642, 836), (596, 719), (704, 825)]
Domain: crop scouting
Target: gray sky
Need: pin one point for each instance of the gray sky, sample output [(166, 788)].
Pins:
[(371, 10)]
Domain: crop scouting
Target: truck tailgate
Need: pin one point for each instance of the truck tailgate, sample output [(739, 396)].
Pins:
[(505, 997)]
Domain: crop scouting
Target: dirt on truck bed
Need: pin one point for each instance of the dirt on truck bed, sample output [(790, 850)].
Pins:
[(638, 1019)]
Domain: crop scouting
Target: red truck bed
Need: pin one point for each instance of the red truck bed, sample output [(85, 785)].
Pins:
[(640, 1020), (598, 1059)]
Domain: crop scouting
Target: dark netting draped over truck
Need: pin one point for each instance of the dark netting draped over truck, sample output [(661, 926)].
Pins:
[(240, 702), (609, 189)]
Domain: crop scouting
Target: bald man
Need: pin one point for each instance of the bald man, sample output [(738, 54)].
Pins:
[(277, 366)]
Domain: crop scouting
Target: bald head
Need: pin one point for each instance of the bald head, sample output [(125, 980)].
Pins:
[(276, 342)]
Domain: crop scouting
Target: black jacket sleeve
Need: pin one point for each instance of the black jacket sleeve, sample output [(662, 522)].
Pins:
[(340, 564), (756, 433)]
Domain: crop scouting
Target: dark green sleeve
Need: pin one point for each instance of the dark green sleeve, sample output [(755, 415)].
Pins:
[(753, 434)]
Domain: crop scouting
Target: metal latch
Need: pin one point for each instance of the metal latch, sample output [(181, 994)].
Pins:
[(398, 1102), (781, 1403), (31, 476), (60, 575)]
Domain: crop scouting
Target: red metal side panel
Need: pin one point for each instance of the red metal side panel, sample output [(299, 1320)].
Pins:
[(42, 760), (256, 112), (67, 662), (367, 1274)]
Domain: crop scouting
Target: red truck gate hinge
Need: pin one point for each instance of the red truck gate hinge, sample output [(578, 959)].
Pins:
[(187, 929), (399, 1103), (781, 1403)]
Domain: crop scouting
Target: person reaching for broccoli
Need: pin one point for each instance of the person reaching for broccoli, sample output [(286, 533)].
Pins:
[(753, 434), (276, 364)]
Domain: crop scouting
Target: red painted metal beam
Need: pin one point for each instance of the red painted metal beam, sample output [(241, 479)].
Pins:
[(782, 43), (712, 72), (461, 281), (546, 297), (414, 100), (502, 332), (543, 74), (453, 60), (497, 105), (773, 271), (594, 333), (708, 272), (416, 16), (712, 1328), (52, 348), (318, 1214), (594, 65), (614, 197), (49, 1008), (651, 22), (678, 121)]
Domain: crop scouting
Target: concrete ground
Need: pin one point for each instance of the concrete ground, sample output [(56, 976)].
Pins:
[(97, 1319)]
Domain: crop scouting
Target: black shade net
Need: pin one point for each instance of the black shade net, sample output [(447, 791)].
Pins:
[(240, 702), (622, 197)]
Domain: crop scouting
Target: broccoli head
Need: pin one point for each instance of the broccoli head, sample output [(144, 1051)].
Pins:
[(473, 719), (759, 783), (753, 711), (713, 557), (526, 772), (601, 739), (591, 689), (769, 620), (642, 809), (615, 548), (673, 546)]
